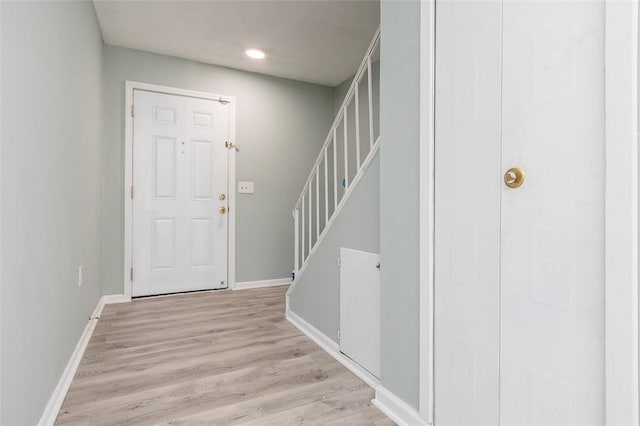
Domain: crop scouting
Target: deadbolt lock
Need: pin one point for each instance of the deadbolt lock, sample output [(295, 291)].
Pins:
[(222, 210), (514, 177), (221, 197)]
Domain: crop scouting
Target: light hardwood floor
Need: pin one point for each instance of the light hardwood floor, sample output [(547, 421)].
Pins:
[(222, 358)]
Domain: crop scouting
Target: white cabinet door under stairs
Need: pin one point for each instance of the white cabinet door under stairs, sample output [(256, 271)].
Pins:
[(519, 253), (179, 193), (360, 308)]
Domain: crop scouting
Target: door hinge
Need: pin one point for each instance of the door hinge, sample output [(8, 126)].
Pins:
[(132, 192), (230, 145), (338, 335), (131, 274), (132, 110), (339, 262)]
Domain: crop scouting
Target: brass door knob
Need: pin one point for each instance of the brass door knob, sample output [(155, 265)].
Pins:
[(222, 210), (514, 177)]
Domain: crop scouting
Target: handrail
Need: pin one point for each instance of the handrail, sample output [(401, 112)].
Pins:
[(364, 66), (305, 239)]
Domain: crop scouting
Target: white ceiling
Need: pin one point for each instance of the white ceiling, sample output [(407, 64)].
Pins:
[(319, 41)]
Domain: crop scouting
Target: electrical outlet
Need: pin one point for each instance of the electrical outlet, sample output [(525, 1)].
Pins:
[(80, 276), (245, 187)]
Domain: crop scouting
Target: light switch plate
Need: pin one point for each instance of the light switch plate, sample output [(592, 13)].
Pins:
[(245, 187)]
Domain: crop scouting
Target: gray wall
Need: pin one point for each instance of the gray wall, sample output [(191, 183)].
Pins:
[(316, 296), (51, 82), (339, 92), (399, 196), (281, 125)]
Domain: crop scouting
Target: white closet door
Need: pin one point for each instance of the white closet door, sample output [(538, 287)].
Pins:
[(519, 273), (179, 179), (552, 318), (467, 229)]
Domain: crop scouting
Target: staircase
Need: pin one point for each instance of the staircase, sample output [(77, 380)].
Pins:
[(352, 142)]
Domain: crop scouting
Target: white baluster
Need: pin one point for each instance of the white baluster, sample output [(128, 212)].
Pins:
[(357, 101), (335, 171), (310, 219), (302, 231), (296, 242), (326, 187), (346, 151), (369, 85), (317, 201)]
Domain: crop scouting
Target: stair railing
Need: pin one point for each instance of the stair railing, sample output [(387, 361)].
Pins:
[(313, 214)]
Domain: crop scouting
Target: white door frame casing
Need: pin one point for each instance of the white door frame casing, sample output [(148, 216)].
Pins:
[(130, 86), (427, 207), (621, 211)]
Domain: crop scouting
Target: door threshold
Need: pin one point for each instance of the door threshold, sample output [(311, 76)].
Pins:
[(180, 293)]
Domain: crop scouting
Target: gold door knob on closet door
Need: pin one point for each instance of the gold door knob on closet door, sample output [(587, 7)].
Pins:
[(514, 177), (222, 210)]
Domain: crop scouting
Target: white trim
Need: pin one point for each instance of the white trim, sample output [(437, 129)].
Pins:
[(98, 309), (332, 348), (60, 392), (621, 212), (231, 208), (128, 183), (396, 409), (336, 213), (245, 285), (0, 203), (427, 207), (130, 86), (110, 299)]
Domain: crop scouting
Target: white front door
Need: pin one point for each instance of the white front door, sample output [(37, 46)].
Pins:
[(179, 193), (519, 272)]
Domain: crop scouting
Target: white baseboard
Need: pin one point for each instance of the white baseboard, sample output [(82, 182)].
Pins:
[(97, 311), (115, 298), (396, 409), (262, 283), (52, 409), (332, 348), (60, 392)]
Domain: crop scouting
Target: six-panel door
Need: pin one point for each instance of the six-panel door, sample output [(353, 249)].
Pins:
[(180, 186)]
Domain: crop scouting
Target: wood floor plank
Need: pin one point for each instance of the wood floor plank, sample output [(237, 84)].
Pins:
[(256, 408), (211, 358)]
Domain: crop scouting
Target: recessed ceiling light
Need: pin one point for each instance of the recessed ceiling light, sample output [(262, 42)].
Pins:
[(255, 53)]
